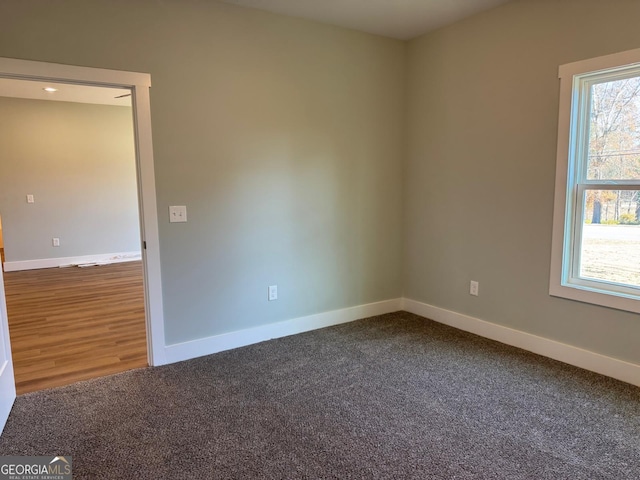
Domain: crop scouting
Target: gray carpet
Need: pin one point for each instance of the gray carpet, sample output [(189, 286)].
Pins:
[(394, 396)]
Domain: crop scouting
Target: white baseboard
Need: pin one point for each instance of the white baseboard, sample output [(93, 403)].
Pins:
[(100, 259), (218, 343), (611, 367)]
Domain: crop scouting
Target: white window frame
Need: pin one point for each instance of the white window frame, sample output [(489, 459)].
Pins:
[(571, 182)]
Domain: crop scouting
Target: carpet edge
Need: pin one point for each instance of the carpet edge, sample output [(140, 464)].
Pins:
[(578, 357), (217, 343)]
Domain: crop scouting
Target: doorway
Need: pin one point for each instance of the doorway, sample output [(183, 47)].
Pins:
[(138, 84), (73, 268)]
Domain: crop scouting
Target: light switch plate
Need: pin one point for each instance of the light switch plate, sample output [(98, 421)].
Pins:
[(30, 198), (177, 214)]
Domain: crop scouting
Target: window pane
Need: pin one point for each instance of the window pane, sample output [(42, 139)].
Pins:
[(614, 130), (610, 248)]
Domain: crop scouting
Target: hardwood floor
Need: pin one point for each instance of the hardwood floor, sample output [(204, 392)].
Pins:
[(72, 324)]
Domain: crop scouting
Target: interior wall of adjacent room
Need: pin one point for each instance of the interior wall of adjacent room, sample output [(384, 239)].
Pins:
[(283, 137), (482, 116), (78, 161)]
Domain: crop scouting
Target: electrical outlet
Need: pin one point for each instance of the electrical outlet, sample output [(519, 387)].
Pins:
[(474, 288), (30, 199), (56, 242), (273, 292)]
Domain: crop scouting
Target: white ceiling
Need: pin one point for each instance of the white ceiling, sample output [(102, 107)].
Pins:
[(402, 19), (66, 92)]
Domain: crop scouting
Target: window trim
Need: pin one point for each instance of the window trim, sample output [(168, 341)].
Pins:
[(587, 291)]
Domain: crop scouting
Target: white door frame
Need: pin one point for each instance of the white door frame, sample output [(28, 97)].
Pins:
[(139, 84), (7, 381)]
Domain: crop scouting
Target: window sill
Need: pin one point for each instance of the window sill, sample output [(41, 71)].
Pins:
[(595, 296)]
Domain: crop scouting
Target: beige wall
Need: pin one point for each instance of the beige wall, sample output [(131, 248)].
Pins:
[(78, 161), (482, 115), (282, 137)]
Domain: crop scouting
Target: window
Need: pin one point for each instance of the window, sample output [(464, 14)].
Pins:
[(596, 232)]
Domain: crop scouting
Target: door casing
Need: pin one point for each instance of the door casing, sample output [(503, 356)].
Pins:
[(139, 84)]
